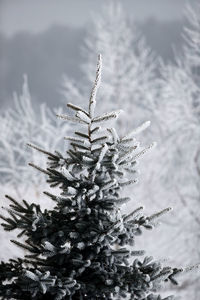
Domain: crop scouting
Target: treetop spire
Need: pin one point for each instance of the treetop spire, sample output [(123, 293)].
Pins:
[(92, 101)]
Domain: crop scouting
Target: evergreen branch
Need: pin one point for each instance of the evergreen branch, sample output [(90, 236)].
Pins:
[(73, 155), (137, 130), (100, 139), (39, 169), (59, 154), (53, 197), (122, 251), (32, 256), (97, 128), (92, 101), (117, 173), (11, 212), (192, 268), (109, 184), (121, 201), (103, 152), (43, 151), (83, 117), (96, 150), (123, 141), (133, 213), (7, 227), (69, 118), (131, 171), (107, 116), (128, 182), (83, 135), (137, 253), (23, 246), (126, 155), (24, 217), (144, 151), (76, 108), (66, 201), (21, 233), (8, 220), (73, 139), (28, 206), (114, 135), (175, 273), (80, 146), (15, 202), (165, 273), (56, 173), (157, 215)]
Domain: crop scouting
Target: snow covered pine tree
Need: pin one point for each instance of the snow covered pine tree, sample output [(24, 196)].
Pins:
[(72, 248)]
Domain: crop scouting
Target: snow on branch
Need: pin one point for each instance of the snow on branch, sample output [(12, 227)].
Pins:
[(137, 130), (72, 119), (107, 116), (92, 101)]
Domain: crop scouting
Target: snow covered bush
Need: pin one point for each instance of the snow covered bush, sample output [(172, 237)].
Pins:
[(20, 125)]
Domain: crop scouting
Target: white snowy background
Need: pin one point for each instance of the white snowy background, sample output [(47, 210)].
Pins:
[(151, 69)]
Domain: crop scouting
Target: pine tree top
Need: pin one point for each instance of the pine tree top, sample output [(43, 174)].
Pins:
[(78, 249)]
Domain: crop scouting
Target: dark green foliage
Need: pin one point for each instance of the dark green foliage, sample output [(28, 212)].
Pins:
[(77, 249)]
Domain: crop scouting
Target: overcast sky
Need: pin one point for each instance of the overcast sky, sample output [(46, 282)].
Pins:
[(54, 50), (38, 15)]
